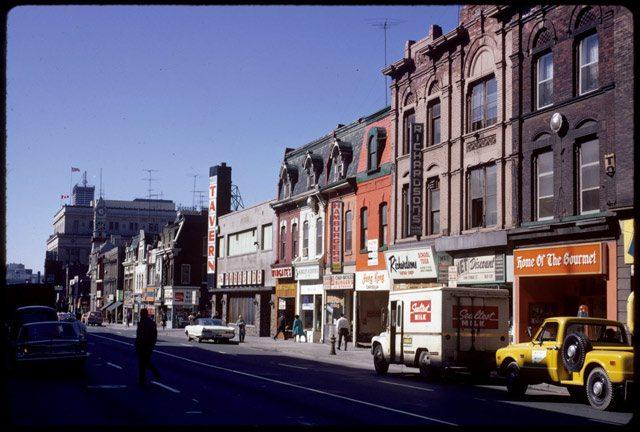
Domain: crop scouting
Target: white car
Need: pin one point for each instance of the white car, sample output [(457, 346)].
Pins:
[(209, 328)]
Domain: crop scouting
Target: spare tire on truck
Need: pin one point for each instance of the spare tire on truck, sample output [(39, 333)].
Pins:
[(574, 351)]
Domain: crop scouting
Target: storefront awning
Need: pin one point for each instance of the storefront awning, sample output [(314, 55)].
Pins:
[(242, 289), (106, 306), (113, 305)]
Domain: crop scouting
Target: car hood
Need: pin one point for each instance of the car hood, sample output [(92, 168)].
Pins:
[(521, 345), (219, 328)]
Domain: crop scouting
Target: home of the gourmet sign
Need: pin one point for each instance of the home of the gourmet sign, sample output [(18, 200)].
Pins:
[(560, 260)]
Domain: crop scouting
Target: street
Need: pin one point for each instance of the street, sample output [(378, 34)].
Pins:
[(263, 382)]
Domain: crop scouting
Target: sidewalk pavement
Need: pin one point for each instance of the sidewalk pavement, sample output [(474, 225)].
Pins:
[(354, 357)]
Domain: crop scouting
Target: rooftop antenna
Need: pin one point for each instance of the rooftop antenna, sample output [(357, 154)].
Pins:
[(149, 179), (236, 198), (384, 24), (84, 179), (193, 192)]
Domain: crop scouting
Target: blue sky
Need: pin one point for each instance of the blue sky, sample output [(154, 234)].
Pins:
[(179, 89)]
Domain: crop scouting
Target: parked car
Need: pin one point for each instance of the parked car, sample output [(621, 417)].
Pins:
[(29, 314), (93, 318), (70, 317), (591, 357), (209, 328), (439, 329), (50, 341)]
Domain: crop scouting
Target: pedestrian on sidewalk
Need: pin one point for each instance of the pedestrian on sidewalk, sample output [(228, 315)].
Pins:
[(146, 337), (281, 327), (298, 330), (343, 331), (163, 319), (241, 328), (192, 319), (129, 317)]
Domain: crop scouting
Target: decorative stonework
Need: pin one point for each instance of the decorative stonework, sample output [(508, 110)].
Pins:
[(481, 142)]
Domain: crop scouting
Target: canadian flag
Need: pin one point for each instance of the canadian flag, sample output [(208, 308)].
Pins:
[(64, 196)]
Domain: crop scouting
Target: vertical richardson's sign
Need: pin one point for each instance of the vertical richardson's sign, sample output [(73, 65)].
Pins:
[(211, 229), (336, 236), (415, 180)]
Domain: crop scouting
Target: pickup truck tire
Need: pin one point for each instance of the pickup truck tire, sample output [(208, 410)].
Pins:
[(516, 387), (379, 362), (574, 351), (578, 393), (601, 393)]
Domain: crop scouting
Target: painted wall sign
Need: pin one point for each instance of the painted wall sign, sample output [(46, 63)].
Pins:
[(480, 269), (415, 180), (420, 311), (452, 273), (308, 272), (480, 317), (211, 226), (339, 281), (445, 261), (372, 280), (281, 272), (336, 236), (372, 252), (244, 277), (411, 264), (586, 258)]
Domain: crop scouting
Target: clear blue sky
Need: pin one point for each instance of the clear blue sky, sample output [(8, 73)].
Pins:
[(179, 89)]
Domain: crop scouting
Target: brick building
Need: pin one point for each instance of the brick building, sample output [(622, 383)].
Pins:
[(572, 64)]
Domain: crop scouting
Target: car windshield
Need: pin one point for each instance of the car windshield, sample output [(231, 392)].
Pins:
[(600, 333), (211, 322), (60, 330), (37, 315)]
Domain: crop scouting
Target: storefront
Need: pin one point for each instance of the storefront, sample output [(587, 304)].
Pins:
[(370, 304), (556, 280), (179, 303), (412, 268), (285, 297), (338, 301), (311, 289)]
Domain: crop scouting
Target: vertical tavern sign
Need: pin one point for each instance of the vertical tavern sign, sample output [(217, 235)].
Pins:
[(415, 180), (211, 226), (336, 236)]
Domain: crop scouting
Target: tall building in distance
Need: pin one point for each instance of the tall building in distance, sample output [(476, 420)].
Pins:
[(83, 195)]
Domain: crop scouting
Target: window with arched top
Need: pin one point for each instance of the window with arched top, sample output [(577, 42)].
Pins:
[(588, 56), (483, 103), (364, 227), (319, 236), (283, 241), (383, 235), (408, 119), (305, 239), (433, 115)]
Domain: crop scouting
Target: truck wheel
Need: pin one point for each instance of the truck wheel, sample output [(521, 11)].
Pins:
[(578, 393), (574, 351), (516, 387), (379, 362), (600, 392), (427, 371)]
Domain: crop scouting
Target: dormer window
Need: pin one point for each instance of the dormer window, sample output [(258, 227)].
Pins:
[(339, 159), (335, 169)]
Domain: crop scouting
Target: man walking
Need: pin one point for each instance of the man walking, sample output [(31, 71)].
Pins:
[(343, 331), (281, 326), (241, 328), (146, 337)]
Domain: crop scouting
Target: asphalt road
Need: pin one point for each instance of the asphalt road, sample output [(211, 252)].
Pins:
[(237, 384)]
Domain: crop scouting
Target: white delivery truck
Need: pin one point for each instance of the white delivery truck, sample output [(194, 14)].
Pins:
[(443, 328)]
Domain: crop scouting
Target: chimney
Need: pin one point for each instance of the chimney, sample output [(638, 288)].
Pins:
[(435, 31)]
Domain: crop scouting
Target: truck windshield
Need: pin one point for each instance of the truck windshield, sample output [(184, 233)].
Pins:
[(600, 333)]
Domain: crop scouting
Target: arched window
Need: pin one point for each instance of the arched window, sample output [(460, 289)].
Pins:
[(305, 239), (408, 120), (364, 225), (294, 241), (588, 53), (434, 122), (319, 236), (383, 225), (372, 153), (283, 241), (483, 104), (348, 232)]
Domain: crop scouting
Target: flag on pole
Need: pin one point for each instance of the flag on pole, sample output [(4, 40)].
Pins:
[(64, 196), (73, 169)]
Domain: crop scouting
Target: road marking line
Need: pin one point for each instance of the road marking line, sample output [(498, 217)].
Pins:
[(185, 344), (195, 400), (295, 386), (405, 385), (114, 365), (107, 386), (193, 412), (292, 366), (165, 386)]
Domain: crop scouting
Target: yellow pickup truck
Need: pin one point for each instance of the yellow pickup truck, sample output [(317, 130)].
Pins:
[(591, 357)]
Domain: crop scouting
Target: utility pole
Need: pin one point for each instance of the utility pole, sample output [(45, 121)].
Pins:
[(384, 24)]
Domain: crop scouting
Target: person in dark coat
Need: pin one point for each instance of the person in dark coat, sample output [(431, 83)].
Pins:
[(281, 327), (146, 337), (242, 328)]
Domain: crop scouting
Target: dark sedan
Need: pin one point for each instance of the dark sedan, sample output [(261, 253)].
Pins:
[(51, 341)]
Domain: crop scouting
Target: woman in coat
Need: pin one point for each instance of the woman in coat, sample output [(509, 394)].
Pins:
[(297, 328)]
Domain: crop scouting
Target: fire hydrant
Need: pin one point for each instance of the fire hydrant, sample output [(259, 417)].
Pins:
[(333, 344)]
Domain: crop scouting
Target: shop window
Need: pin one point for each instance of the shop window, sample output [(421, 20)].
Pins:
[(348, 232), (383, 224), (294, 241), (283, 242), (266, 237), (409, 119), (364, 223), (588, 64), (434, 123), (242, 242), (433, 206), (319, 236), (589, 177), (305, 239), (544, 86), (405, 210), (185, 274), (544, 185), (484, 104), (482, 193)]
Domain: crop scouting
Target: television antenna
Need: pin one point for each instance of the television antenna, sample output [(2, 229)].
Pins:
[(384, 24), (194, 191)]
